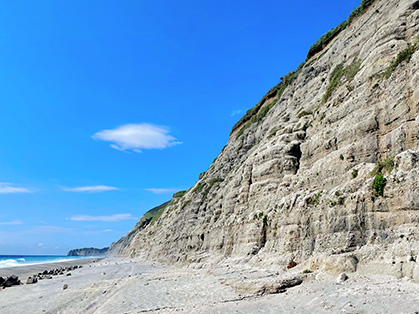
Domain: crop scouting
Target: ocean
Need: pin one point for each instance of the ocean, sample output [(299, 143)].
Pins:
[(23, 260)]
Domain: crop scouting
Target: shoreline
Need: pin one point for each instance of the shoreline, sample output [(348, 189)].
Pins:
[(24, 271), (127, 285)]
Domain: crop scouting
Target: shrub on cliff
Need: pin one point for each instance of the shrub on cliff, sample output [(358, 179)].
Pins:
[(379, 183)]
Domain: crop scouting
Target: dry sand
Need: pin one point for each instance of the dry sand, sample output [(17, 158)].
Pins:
[(128, 286)]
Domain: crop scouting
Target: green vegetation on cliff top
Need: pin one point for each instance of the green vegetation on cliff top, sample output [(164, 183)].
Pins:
[(148, 218), (259, 111), (325, 39)]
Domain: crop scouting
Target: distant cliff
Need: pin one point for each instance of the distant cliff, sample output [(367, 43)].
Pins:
[(88, 252)]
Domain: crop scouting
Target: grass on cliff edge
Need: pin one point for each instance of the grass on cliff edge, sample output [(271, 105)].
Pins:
[(326, 38), (153, 212), (258, 112)]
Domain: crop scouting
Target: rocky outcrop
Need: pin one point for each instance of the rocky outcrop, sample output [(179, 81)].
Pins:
[(88, 252), (324, 171), (118, 247)]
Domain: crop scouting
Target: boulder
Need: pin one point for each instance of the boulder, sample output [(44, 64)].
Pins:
[(65, 287), (31, 280), (341, 278), (11, 281)]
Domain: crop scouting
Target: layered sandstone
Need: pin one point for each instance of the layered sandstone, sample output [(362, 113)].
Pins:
[(296, 183)]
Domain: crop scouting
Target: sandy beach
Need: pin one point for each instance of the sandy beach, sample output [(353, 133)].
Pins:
[(114, 285), (28, 270)]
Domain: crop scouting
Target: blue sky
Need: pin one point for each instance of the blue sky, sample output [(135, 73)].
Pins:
[(108, 107)]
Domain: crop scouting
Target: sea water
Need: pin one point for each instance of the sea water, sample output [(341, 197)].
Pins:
[(23, 260)]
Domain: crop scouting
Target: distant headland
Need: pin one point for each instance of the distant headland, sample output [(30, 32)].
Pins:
[(88, 252)]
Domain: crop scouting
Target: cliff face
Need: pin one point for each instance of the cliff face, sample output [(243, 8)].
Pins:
[(88, 252), (295, 180), (118, 247)]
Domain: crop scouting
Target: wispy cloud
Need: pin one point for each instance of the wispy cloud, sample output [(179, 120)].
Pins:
[(135, 137), (13, 222), (10, 188), (40, 244), (116, 217), (91, 189), (162, 191), (235, 113), (97, 232)]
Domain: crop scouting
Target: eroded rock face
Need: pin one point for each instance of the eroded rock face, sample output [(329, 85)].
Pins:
[(297, 185)]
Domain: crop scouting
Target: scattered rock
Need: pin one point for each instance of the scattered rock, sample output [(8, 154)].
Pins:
[(279, 286), (68, 274), (341, 278), (11, 281), (65, 286), (292, 264), (31, 280)]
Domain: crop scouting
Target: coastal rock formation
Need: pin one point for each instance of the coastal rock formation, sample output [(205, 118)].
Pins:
[(13, 280), (324, 171), (88, 252), (149, 217)]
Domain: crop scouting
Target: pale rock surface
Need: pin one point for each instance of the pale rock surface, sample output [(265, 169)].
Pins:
[(280, 191), (341, 278)]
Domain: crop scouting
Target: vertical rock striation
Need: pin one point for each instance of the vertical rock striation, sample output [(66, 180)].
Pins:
[(295, 180)]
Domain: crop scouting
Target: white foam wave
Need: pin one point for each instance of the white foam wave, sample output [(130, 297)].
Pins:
[(9, 263), (22, 262)]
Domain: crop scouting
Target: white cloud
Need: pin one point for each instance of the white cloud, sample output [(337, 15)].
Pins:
[(117, 217), (9, 188), (40, 244), (135, 137), (162, 191), (13, 222), (91, 189), (235, 113)]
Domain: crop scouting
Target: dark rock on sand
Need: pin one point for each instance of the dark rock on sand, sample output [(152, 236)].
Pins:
[(11, 281), (280, 286), (31, 280)]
